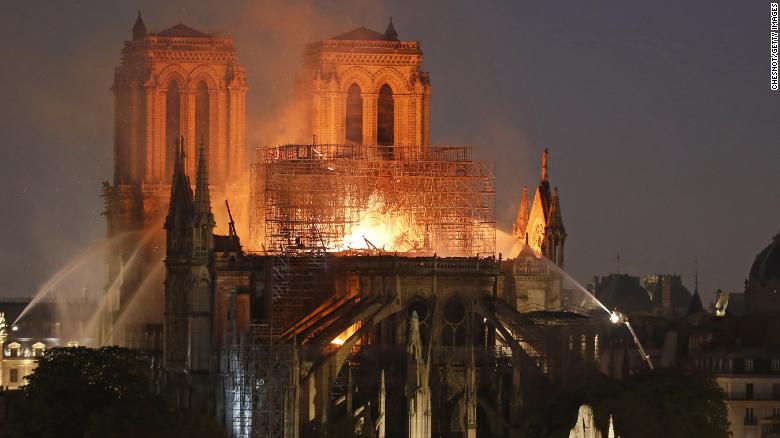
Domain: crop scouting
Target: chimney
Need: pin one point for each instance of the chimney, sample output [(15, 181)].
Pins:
[(666, 294)]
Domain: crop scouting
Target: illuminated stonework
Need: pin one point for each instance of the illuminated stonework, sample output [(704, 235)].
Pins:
[(542, 229), (367, 88), (178, 82), (175, 84)]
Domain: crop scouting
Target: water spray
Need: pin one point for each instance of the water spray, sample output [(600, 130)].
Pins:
[(616, 317)]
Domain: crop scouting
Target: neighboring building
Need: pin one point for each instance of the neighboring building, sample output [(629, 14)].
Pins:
[(729, 304), (668, 294), (743, 350), (49, 323), (762, 287), (743, 355), (622, 292)]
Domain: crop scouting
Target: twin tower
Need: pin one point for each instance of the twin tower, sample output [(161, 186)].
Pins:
[(361, 87)]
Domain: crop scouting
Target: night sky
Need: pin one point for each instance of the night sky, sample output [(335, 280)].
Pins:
[(664, 135)]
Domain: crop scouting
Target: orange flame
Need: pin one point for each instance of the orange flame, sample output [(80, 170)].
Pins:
[(343, 336), (385, 228)]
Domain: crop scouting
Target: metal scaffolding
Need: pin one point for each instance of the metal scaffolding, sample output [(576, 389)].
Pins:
[(260, 385), (313, 195)]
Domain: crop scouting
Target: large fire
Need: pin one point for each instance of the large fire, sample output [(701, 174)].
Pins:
[(381, 227)]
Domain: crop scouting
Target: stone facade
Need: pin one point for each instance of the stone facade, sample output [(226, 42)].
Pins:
[(176, 86), (174, 83), (368, 88), (542, 228)]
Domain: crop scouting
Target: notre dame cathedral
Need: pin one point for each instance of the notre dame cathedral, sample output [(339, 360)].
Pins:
[(293, 337)]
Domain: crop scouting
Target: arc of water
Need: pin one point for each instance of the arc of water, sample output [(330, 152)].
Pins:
[(582, 289), (105, 299), (65, 271), (138, 298)]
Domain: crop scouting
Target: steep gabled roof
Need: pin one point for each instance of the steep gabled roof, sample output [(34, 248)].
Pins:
[(182, 31), (362, 34), (695, 305)]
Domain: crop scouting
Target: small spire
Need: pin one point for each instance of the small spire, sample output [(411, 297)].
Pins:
[(544, 165), (139, 28), (178, 164), (521, 222), (390, 32), (180, 205), (555, 220), (202, 198)]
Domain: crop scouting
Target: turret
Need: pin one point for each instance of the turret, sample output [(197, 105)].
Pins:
[(555, 234), (521, 222), (180, 209), (203, 219), (139, 28), (390, 32)]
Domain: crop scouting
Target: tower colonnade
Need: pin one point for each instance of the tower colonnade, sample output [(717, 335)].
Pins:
[(174, 83)]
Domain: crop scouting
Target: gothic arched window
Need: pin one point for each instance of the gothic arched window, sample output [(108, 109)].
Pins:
[(172, 125), (202, 117), (354, 122), (385, 122)]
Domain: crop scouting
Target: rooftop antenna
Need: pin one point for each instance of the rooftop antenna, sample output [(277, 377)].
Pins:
[(619, 271)]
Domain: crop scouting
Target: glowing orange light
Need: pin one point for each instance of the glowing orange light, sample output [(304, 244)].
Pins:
[(341, 338), (386, 229)]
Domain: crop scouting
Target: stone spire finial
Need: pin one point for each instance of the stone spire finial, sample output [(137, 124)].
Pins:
[(555, 220), (544, 165), (180, 205), (390, 32), (521, 221), (139, 28), (202, 198)]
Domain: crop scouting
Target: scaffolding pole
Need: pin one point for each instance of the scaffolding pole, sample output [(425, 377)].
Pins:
[(315, 196)]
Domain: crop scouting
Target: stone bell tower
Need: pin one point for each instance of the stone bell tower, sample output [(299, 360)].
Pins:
[(542, 228), (177, 82), (172, 84), (366, 87)]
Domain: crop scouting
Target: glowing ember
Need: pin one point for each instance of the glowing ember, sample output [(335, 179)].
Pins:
[(341, 338), (379, 227)]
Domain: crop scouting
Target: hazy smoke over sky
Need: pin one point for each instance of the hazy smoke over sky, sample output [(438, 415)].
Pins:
[(662, 131)]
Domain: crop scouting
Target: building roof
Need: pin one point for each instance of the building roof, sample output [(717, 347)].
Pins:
[(695, 305), (227, 244), (623, 292), (766, 266), (362, 34), (182, 31)]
